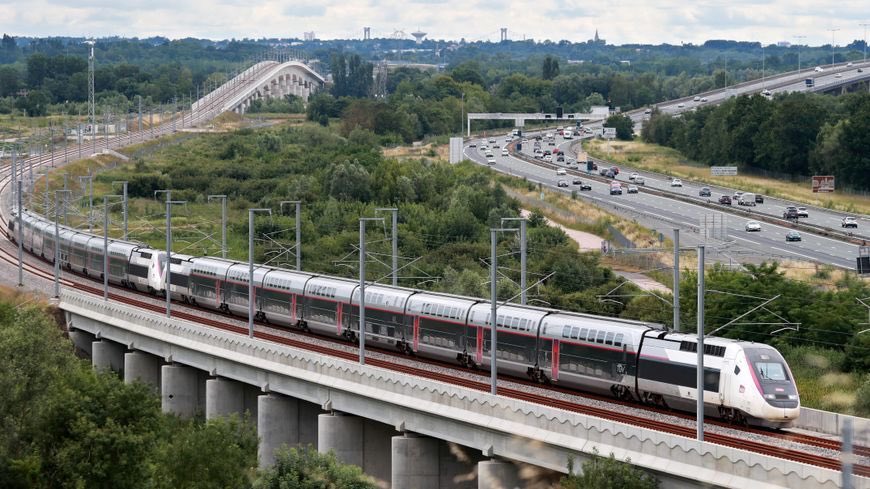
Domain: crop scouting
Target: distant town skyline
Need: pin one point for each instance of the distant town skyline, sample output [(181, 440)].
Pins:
[(619, 22)]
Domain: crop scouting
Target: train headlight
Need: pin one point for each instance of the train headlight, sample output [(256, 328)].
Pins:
[(769, 396), (793, 397)]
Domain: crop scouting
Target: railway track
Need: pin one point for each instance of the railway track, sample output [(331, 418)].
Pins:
[(79, 283)]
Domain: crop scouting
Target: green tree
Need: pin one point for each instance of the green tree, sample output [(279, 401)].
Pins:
[(623, 124), (9, 81), (305, 468), (608, 473), (550, 68), (215, 454)]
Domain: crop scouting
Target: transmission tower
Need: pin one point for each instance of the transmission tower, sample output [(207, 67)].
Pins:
[(381, 79), (91, 109)]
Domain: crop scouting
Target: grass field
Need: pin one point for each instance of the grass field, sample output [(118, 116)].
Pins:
[(669, 161)]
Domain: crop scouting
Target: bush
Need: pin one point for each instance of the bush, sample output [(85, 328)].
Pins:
[(862, 399), (608, 473), (306, 468)]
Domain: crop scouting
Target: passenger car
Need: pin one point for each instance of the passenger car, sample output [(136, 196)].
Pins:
[(849, 222), (752, 226), (561, 171), (803, 212), (490, 160), (793, 236), (583, 186), (633, 176), (632, 189), (562, 183), (639, 181), (615, 188), (676, 182), (725, 200), (704, 192), (790, 212), (759, 199), (818, 69), (696, 99)]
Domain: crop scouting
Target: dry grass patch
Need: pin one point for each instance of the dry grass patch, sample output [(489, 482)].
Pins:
[(670, 162), (431, 150)]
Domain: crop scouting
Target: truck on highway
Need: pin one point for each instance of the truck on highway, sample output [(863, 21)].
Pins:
[(747, 198), (811, 82)]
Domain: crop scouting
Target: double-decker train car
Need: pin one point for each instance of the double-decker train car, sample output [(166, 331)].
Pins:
[(744, 382)]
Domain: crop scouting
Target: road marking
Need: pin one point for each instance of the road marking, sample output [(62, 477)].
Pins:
[(795, 253)]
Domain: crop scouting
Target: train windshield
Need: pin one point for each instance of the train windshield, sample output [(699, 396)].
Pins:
[(770, 371)]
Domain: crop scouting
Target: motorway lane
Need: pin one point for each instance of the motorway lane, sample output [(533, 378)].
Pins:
[(772, 237)]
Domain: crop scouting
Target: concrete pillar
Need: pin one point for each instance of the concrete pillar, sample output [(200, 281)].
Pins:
[(142, 367), (82, 340), (223, 397), (415, 462), (107, 355), (308, 413), (277, 425), (343, 435), (497, 474), (179, 392)]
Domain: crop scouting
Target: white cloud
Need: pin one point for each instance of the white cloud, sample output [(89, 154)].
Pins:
[(618, 21)]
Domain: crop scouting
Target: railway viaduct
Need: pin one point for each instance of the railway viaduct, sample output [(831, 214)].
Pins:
[(405, 430)]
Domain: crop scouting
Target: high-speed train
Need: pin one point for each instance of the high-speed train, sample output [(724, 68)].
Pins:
[(744, 382)]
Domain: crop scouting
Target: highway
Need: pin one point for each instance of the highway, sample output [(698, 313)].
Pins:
[(770, 240)]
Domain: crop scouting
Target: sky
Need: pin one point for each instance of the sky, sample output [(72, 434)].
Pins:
[(617, 21)]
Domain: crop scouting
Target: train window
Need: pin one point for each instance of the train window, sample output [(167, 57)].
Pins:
[(583, 333), (566, 331), (147, 256), (619, 338), (575, 330), (601, 335), (515, 323), (608, 340), (499, 320), (736, 370), (591, 337)]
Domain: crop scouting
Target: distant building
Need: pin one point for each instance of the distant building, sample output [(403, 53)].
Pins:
[(308, 36), (596, 39), (784, 44)]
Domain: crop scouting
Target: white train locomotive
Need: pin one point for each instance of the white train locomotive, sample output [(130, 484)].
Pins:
[(745, 382)]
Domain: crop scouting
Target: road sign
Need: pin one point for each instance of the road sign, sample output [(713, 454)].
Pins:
[(823, 183), (609, 132), (723, 171), (863, 263)]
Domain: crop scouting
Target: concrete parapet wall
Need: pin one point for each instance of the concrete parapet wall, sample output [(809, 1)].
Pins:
[(496, 426), (832, 424)]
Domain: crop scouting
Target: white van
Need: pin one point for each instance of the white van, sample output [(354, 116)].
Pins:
[(747, 198)]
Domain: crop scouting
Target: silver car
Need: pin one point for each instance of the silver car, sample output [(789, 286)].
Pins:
[(753, 226)]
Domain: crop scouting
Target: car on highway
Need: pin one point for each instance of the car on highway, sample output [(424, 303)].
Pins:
[(551, 143), (860, 70), (737, 195), (504, 152), (563, 183), (725, 200), (753, 226), (790, 212), (705, 192), (615, 188), (583, 186), (818, 69), (838, 75), (759, 199), (548, 158), (560, 159), (483, 147), (639, 181), (766, 92), (491, 140), (472, 144), (632, 189), (696, 99), (633, 176), (793, 236), (849, 64), (703, 99), (680, 105), (849, 222), (615, 170), (803, 212), (609, 173), (647, 111), (490, 160), (561, 171), (676, 182)]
